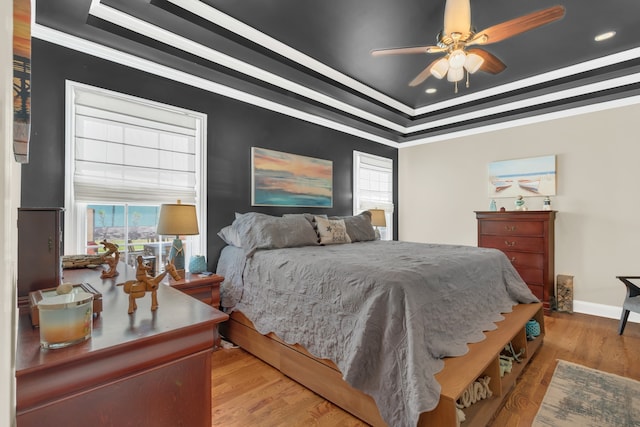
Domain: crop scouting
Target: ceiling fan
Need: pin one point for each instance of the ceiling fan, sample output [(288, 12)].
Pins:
[(457, 37)]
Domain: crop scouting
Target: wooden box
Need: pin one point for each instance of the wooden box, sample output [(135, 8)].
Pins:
[(36, 296)]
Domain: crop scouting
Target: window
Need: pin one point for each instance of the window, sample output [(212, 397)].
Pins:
[(126, 156), (373, 187)]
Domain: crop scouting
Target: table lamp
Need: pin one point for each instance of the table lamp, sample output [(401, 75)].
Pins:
[(378, 219), (178, 220)]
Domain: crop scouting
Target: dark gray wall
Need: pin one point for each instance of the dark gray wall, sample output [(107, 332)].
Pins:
[(233, 128)]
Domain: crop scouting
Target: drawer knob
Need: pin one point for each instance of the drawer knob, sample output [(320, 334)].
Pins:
[(513, 259), (510, 244), (510, 227)]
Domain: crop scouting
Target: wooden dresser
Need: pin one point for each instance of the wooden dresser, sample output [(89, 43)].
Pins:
[(148, 368), (527, 238), (204, 288)]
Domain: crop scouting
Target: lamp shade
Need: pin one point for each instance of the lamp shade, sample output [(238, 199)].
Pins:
[(455, 74), (473, 62), (457, 58), (439, 69), (378, 218), (178, 220)]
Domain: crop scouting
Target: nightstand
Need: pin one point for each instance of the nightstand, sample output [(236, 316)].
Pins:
[(204, 288)]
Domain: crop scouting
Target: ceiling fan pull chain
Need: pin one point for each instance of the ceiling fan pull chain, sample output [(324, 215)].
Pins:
[(467, 80), (456, 87)]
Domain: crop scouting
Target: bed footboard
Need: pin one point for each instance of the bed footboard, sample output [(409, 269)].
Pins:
[(323, 377)]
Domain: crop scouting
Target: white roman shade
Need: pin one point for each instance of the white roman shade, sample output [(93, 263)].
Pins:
[(373, 182), (126, 151)]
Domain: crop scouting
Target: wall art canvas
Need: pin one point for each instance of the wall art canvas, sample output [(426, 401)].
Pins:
[(284, 179), (21, 79), (535, 176)]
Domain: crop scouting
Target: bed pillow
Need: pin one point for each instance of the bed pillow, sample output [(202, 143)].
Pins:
[(261, 231), (358, 226), (332, 231), (230, 236)]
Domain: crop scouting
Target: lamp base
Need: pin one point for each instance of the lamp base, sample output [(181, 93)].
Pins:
[(177, 254)]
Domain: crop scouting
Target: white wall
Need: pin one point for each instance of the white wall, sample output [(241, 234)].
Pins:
[(598, 181), (9, 193)]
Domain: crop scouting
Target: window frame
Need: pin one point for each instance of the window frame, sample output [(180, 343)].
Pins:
[(390, 207), (75, 218)]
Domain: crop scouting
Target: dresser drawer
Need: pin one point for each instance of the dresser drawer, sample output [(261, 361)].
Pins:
[(512, 228), (512, 243), (531, 276), (526, 259), (538, 291)]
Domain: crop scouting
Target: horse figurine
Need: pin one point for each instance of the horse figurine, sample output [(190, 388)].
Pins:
[(145, 283), (111, 257)]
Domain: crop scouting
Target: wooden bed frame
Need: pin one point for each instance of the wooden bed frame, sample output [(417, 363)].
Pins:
[(323, 377)]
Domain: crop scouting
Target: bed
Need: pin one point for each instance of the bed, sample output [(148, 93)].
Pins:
[(369, 321)]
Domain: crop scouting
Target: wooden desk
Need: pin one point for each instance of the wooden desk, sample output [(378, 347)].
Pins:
[(144, 369)]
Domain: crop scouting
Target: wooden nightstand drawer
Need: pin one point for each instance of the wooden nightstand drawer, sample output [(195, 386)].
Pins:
[(512, 243), (512, 228)]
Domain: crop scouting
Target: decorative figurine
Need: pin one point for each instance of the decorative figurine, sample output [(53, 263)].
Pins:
[(520, 204), (492, 206), (546, 204), (145, 283), (111, 258)]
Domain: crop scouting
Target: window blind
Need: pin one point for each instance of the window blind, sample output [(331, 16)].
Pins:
[(125, 151), (374, 182)]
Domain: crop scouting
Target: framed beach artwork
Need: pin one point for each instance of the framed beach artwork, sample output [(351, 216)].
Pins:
[(535, 176), (284, 179)]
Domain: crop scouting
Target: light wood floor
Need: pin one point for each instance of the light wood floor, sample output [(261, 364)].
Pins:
[(248, 392)]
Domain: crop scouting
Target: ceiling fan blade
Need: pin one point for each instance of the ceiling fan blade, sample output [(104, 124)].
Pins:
[(424, 74), (457, 17), (491, 62), (519, 25), (407, 50)]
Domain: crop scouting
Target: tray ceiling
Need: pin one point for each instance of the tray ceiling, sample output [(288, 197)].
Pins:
[(314, 57)]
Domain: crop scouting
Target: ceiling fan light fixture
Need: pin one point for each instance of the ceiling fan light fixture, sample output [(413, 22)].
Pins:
[(457, 58), (473, 62), (440, 68), (455, 74)]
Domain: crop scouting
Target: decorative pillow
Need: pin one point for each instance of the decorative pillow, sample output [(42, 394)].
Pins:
[(332, 231), (359, 226), (230, 236), (261, 231), (309, 217)]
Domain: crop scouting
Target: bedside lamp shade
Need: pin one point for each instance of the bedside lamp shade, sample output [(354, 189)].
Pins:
[(178, 220), (377, 218)]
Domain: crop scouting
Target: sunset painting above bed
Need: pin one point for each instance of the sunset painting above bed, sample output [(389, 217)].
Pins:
[(284, 179)]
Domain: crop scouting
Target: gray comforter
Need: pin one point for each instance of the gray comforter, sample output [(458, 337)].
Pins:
[(385, 312)]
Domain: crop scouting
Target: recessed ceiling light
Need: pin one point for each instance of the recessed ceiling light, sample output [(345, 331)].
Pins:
[(604, 36), (431, 90)]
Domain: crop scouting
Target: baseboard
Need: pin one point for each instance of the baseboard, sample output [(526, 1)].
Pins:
[(601, 310)]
